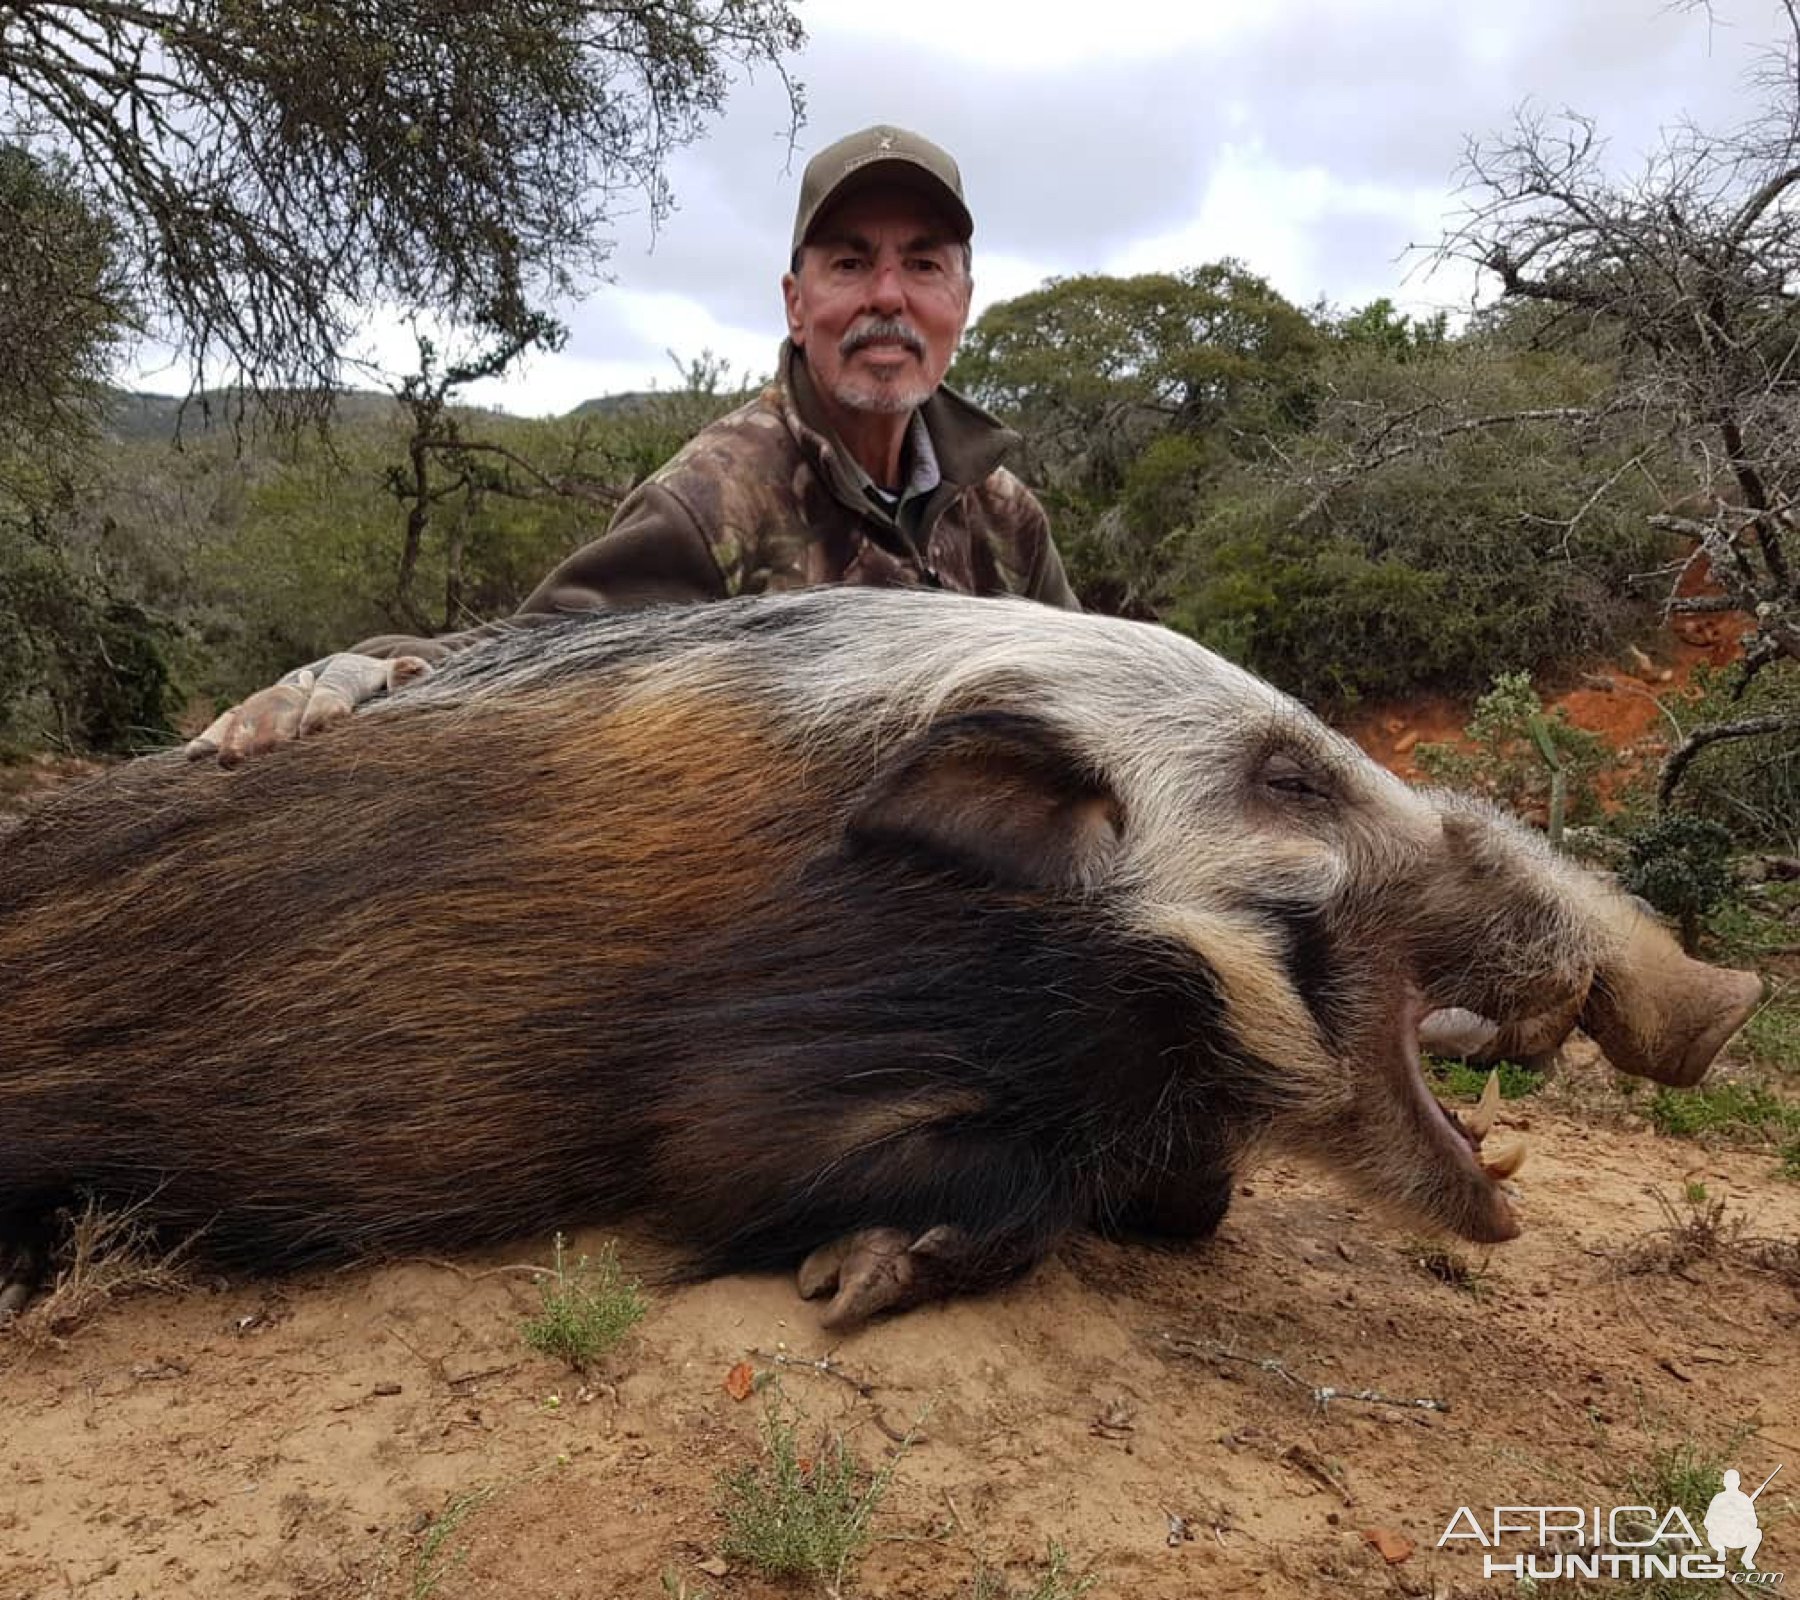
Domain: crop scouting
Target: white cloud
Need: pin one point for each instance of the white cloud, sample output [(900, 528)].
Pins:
[(666, 329), (1023, 36), (1292, 225), (1312, 139)]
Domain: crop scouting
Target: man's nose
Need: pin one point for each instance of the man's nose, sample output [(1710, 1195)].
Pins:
[(887, 289)]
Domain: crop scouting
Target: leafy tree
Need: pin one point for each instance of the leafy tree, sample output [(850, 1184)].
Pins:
[(63, 307), (273, 167), (1381, 327), (1685, 276), (458, 460), (242, 179), (1131, 393), (78, 665), (1480, 551)]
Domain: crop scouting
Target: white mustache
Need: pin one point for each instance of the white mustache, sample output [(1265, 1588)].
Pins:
[(881, 333)]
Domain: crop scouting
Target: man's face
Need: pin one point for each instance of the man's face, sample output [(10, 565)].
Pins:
[(880, 300)]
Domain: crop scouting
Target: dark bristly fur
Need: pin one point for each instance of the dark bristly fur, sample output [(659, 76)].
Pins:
[(772, 921)]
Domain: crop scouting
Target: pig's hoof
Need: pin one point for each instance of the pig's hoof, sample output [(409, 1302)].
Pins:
[(24, 1260), (876, 1270)]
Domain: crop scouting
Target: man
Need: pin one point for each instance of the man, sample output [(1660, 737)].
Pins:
[(855, 465), (1730, 1520)]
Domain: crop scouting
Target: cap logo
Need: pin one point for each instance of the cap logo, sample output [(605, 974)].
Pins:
[(886, 142)]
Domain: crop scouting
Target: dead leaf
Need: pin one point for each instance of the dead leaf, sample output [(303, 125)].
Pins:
[(1394, 1547), (740, 1381)]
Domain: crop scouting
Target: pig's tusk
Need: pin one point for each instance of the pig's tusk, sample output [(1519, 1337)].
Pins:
[(1480, 1121), (1504, 1159)]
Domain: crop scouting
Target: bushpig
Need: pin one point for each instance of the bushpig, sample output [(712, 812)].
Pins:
[(891, 934)]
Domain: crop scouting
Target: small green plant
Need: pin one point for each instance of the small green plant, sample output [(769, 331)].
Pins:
[(1682, 1474), (437, 1559), (1464, 1080), (1790, 1161), (587, 1308), (798, 1515), (1522, 756), (1682, 866), (1055, 1582)]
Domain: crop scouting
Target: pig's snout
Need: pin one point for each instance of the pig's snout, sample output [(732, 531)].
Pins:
[(1660, 1014)]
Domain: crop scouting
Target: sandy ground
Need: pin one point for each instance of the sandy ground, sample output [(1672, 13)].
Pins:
[(383, 1433), (306, 1437)]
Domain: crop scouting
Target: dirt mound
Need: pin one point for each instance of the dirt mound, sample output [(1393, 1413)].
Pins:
[(384, 1431)]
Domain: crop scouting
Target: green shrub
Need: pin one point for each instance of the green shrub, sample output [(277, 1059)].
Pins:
[(79, 668), (1507, 762), (793, 1515), (587, 1308), (1682, 866), (1749, 786)]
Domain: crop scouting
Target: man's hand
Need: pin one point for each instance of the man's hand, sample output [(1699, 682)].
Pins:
[(306, 700)]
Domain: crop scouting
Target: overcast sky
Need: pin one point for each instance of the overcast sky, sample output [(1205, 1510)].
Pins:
[(1315, 140)]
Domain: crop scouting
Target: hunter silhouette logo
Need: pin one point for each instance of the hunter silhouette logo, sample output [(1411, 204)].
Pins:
[(1731, 1520), (1632, 1542)]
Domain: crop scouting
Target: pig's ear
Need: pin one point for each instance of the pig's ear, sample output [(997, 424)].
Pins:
[(997, 794)]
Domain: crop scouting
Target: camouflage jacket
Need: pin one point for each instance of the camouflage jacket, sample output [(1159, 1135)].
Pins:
[(765, 499)]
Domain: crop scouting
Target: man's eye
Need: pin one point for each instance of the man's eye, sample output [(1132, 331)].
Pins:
[(926, 265)]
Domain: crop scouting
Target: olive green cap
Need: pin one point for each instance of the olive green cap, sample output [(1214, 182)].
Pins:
[(888, 155)]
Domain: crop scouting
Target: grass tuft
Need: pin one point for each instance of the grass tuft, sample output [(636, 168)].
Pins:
[(1055, 1582), (437, 1560), (1685, 1475), (587, 1308), (797, 1515), (105, 1255), (1466, 1081), (1732, 1110)]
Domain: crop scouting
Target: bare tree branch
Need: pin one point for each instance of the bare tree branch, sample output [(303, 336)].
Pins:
[(275, 166), (1682, 756)]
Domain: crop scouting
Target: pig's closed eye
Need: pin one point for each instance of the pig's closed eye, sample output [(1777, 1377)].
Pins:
[(1293, 781)]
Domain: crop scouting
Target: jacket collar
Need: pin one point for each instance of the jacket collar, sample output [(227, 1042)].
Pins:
[(969, 443)]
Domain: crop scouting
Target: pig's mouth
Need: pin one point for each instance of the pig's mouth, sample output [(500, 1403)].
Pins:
[(1457, 1183)]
